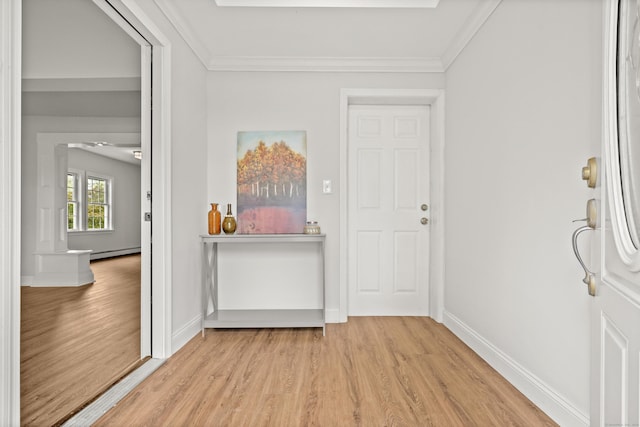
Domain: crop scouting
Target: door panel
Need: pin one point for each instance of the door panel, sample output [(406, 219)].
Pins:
[(368, 246), (369, 174), (615, 355), (388, 182), (406, 263)]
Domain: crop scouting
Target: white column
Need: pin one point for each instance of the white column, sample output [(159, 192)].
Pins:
[(55, 264), (51, 229)]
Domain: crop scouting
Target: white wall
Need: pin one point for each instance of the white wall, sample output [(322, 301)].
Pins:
[(188, 174), (74, 38), (523, 110), (292, 101), (126, 204)]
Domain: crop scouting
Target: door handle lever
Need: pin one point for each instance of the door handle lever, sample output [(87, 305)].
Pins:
[(589, 276), (592, 223)]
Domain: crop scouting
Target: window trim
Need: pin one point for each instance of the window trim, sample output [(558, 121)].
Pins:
[(83, 204), (77, 177), (108, 201)]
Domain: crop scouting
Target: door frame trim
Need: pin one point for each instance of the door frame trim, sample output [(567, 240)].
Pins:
[(10, 205), (433, 98), (10, 208)]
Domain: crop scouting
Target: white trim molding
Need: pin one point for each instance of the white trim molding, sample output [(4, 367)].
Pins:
[(10, 210), (389, 4), (467, 32), (185, 333), (319, 64), (540, 393), (332, 315), (114, 253), (184, 30), (435, 99), (329, 64)]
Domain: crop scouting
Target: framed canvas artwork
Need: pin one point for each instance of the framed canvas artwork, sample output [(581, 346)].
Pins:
[(272, 182)]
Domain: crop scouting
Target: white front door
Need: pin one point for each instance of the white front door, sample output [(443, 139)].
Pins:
[(615, 367), (388, 212)]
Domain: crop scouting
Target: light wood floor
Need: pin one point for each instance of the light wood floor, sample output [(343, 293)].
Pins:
[(371, 371), (76, 342)]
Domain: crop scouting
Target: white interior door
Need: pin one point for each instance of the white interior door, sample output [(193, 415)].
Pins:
[(145, 202), (388, 193), (146, 63), (615, 367)]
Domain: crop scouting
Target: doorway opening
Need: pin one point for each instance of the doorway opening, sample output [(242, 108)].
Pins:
[(153, 341), (73, 105)]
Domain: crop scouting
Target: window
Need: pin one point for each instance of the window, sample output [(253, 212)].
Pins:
[(89, 197), (98, 203), (72, 201)]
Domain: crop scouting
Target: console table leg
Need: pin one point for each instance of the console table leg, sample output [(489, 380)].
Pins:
[(214, 294), (204, 287)]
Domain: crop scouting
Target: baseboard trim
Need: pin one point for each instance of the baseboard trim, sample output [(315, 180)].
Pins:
[(332, 315), (186, 333), (536, 390), (110, 254)]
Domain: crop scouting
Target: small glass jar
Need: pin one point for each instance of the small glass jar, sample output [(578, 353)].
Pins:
[(311, 227)]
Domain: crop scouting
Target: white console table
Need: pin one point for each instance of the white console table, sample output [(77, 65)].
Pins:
[(301, 318)]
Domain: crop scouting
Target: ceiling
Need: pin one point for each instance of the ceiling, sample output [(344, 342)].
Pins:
[(123, 153), (388, 37), (235, 35)]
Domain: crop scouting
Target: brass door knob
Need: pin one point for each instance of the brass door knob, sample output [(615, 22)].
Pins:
[(590, 172), (424, 221)]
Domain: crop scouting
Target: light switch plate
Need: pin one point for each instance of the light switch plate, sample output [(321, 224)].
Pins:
[(326, 186)]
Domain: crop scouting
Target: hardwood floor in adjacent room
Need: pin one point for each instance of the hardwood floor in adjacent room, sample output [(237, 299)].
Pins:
[(76, 342), (371, 371)]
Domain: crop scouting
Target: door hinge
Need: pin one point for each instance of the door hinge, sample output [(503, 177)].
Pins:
[(147, 216)]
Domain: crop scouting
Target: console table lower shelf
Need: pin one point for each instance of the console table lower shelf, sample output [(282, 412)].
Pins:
[(255, 318), (312, 318)]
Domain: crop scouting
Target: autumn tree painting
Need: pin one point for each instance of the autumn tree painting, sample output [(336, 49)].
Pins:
[(272, 181)]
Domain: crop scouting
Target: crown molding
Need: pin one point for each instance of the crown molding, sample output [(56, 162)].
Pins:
[(468, 31), (183, 29), (323, 64), (80, 84), (330, 3)]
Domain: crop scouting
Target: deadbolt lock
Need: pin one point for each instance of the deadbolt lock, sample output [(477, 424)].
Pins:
[(424, 207), (590, 172)]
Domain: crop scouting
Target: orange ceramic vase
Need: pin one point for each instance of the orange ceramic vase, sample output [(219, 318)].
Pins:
[(214, 219)]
